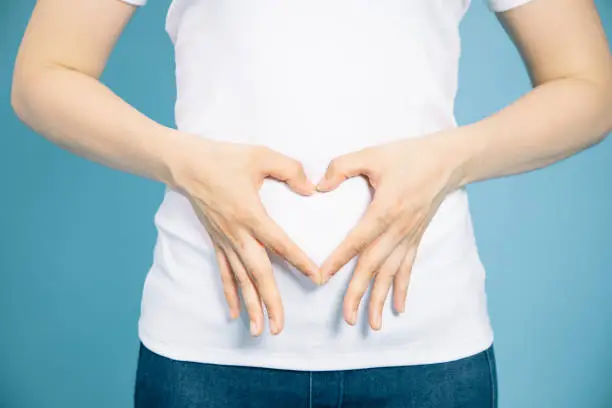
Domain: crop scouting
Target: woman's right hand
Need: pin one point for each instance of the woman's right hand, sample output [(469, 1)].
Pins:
[(57, 92), (222, 181)]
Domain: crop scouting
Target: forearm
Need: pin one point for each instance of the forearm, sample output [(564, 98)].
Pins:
[(552, 122), (80, 114)]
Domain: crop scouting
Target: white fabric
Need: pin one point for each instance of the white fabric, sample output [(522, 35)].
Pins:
[(315, 79), (495, 5), (135, 2), (505, 5)]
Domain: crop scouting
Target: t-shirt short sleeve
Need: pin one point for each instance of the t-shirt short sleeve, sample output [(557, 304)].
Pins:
[(505, 5), (135, 2)]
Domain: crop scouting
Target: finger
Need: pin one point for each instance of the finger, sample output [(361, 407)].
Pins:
[(257, 264), (250, 296), (230, 288), (271, 235), (363, 274), (402, 280), (251, 260), (374, 256), (342, 168), (360, 281), (352, 299), (375, 221), (286, 169), (382, 283)]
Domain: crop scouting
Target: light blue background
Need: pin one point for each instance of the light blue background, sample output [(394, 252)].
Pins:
[(76, 241)]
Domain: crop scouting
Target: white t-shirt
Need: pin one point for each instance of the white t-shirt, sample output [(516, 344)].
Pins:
[(315, 79)]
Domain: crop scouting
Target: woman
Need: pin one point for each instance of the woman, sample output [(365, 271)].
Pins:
[(316, 160)]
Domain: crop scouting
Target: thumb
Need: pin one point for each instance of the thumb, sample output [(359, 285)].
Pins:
[(288, 170), (340, 169)]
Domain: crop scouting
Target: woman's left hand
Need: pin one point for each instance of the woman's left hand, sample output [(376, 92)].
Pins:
[(410, 179)]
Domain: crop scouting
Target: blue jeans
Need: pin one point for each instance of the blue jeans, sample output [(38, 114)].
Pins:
[(165, 383)]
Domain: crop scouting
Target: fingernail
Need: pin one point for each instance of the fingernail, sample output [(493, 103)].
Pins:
[(311, 186), (253, 328), (324, 274), (322, 279), (376, 322), (328, 277), (273, 327), (317, 278), (354, 317)]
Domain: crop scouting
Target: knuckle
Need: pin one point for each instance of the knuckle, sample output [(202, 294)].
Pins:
[(256, 276), (254, 156), (377, 299), (279, 246), (242, 279), (352, 296), (226, 275), (387, 279), (259, 275), (243, 215), (250, 299), (401, 280), (358, 246), (396, 206), (252, 305), (239, 244), (361, 282), (335, 166), (406, 266), (384, 217), (405, 228), (258, 221), (384, 274), (368, 266), (296, 168), (259, 152), (274, 307), (229, 293)]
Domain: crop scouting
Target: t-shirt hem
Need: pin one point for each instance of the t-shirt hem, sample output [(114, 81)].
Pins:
[(137, 3), (500, 6), (403, 356)]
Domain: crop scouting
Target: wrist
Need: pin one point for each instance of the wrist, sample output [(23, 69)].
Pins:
[(173, 149), (460, 149)]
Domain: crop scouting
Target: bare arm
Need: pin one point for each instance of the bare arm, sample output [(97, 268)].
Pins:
[(56, 91), (570, 108)]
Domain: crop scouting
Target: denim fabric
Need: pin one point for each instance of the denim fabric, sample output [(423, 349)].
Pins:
[(165, 383)]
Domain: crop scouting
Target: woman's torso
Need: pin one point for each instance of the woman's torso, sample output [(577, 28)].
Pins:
[(315, 79)]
